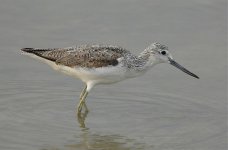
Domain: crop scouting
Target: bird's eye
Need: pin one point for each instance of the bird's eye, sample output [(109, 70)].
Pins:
[(163, 52)]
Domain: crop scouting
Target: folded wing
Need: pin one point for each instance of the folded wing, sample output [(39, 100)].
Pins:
[(84, 56)]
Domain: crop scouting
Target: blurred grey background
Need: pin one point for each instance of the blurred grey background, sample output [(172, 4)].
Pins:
[(163, 110)]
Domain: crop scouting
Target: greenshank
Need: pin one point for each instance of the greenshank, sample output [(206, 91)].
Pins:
[(103, 64)]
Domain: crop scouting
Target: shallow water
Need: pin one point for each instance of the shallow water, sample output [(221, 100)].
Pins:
[(164, 109)]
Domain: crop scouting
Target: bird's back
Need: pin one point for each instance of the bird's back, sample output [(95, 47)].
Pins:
[(89, 56)]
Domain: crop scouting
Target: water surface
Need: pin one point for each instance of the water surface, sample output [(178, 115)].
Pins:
[(162, 110)]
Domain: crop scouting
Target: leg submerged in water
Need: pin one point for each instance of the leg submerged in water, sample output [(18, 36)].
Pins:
[(83, 95)]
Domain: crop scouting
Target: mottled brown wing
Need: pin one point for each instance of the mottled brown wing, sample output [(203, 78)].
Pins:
[(90, 58)]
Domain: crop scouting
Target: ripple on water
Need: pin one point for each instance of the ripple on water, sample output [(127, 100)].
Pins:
[(39, 115), (33, 118)]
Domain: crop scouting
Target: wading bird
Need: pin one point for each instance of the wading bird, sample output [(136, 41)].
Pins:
[(103, 64)]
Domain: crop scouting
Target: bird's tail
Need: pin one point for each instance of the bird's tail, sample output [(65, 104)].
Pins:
[(44, 53)]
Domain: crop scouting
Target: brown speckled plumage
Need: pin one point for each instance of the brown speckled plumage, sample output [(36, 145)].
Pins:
[(89, 56)]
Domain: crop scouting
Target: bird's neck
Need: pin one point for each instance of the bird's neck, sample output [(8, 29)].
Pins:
[(147, 59), (142, 63)]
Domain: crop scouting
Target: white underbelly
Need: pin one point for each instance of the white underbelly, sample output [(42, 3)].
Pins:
[(102, 75)]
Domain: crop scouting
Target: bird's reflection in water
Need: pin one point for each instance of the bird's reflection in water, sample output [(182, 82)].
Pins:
[(81, 119), (89, 141)]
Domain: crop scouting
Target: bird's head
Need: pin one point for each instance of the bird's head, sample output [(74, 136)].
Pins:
[(160, 54)]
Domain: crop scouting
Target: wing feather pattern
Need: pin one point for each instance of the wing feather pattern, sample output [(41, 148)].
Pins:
[(90, 56)]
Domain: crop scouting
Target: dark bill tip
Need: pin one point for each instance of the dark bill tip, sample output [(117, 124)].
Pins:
[(175, 64)]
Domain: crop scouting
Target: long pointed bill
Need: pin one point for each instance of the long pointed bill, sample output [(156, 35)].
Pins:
[(174, 63)]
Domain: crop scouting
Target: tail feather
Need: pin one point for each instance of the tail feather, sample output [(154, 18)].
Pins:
[(35, 50), (27, 49), (39, 52)]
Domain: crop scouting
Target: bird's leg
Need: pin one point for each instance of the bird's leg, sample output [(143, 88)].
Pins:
[(83, 92), (82, 102), (81, 95)]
